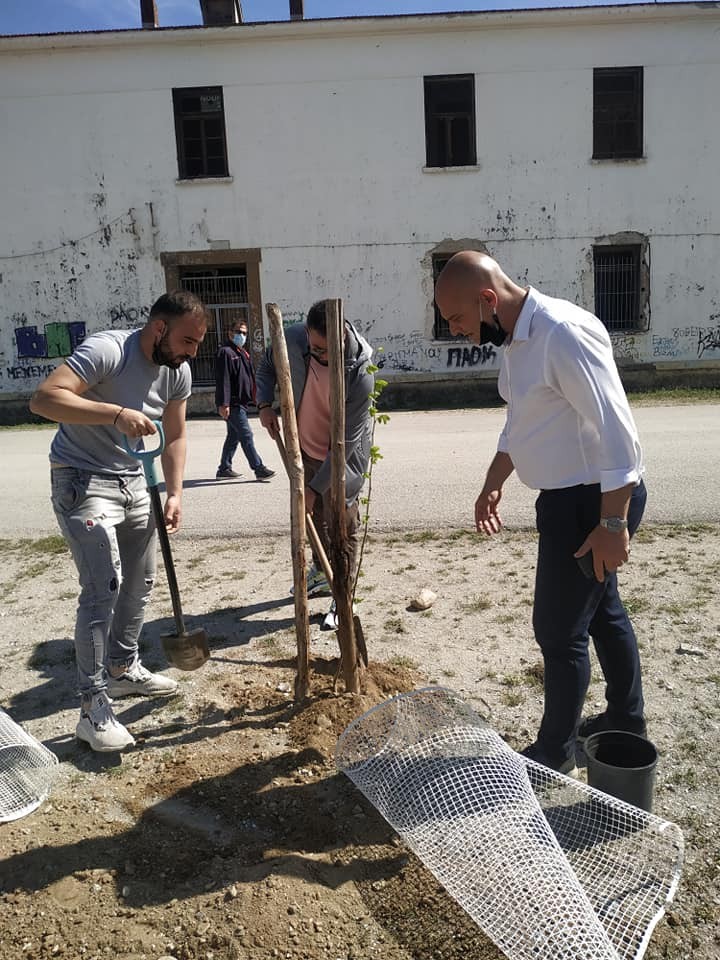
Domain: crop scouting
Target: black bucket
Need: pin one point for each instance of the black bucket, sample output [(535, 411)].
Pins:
[(623, 765)]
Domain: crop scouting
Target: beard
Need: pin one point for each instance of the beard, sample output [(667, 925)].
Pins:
[(162, 356)]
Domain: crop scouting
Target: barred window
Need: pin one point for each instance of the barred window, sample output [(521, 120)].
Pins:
[(617, 286)]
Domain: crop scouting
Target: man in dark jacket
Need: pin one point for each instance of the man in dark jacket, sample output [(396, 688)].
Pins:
[(234, 390), (307, 354)]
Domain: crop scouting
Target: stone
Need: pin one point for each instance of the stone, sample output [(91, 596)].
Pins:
[(690, 651), (423, 600)]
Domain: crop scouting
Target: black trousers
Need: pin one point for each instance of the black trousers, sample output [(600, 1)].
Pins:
[(569, 609)]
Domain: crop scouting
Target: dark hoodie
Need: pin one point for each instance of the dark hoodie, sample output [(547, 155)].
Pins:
[(359, 384), (234, 377)]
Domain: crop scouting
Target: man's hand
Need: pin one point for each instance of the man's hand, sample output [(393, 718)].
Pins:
[(310, 496), (609, 550), (486, 515), (269, 419), (173, 514), (134, 423), (224, 412)]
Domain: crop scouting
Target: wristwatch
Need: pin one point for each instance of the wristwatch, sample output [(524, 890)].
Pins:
[(614, 524)]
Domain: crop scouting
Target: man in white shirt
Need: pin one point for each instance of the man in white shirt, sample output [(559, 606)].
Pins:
[(569, 433)]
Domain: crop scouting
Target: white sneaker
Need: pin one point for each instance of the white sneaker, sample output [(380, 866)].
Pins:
[(139, 682), (99, 727), (330, 620)]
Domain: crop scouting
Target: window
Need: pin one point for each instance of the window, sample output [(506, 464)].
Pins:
[(617, 113), (450, 121), (224, 291), (200, 132), (617, 286), (441, 330)]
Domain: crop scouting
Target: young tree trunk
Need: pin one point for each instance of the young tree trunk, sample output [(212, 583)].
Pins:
[(297, 499)]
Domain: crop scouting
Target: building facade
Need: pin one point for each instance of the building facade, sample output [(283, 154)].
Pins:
[(350, 158)]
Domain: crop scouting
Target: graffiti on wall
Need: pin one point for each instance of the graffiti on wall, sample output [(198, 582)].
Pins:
[(411, 353), (407, 352), (56, 340), (625, 347), (704, 342), (125, 318), (471, 356), (34, 371), (665, 348), (708, 342)]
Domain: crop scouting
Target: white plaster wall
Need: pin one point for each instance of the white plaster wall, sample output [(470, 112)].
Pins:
[(326, 148)]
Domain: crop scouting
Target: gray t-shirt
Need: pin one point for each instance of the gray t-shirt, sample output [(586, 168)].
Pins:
[(117, 371)]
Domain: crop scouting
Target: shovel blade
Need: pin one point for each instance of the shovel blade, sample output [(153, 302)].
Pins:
[(187, 651)]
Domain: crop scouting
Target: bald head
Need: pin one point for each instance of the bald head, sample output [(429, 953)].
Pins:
[(468, 270), (471, 289)]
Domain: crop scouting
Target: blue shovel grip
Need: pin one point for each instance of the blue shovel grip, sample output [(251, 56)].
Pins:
[(148, 457)]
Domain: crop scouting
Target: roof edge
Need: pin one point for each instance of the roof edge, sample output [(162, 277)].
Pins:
[(362, 26)]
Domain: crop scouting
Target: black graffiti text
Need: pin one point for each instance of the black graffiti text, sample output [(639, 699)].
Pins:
[(471, 356)]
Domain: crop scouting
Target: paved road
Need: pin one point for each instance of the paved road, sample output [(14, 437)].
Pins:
[(433, 465)]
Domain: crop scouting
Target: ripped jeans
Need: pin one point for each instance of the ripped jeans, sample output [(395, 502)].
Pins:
[(108, 524)]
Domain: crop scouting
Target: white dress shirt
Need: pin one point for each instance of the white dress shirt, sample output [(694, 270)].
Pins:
[(568, 419)]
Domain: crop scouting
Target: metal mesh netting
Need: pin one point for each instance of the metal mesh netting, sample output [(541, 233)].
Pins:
[(548, 867), (27, 770)]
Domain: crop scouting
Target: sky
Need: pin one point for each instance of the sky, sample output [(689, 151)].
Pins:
[(57, 16)]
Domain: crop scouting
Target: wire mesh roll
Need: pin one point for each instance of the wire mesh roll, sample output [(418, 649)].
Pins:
[(549, 868), (27, 770)]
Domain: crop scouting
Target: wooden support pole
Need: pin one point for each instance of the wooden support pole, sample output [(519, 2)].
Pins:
[(297, 499), (340, 551)]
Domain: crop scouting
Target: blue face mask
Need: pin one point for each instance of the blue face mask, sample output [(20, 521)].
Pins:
[(239, 339)]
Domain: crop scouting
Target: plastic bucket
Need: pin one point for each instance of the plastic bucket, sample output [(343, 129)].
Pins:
[(623, 765)]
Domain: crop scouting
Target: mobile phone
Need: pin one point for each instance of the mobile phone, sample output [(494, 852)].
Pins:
[(585, 562)]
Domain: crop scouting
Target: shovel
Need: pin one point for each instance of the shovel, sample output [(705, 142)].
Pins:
[(330, 621), (186, 651)]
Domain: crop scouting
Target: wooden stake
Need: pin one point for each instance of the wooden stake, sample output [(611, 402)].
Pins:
[(297, 499), (340, 552)]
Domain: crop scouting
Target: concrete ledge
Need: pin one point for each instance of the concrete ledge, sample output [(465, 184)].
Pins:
[(428, 392)]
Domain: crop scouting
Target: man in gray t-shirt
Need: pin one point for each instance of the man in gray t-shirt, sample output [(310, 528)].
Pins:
[(116, 383)]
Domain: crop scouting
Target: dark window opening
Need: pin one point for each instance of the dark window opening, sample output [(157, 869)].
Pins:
[(224, 291), (450, 121), (617, 286), (617, 112), (200, 132), (441, 330)]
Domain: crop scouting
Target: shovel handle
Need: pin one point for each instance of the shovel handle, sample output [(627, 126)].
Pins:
[(148, 457), (313, 535)]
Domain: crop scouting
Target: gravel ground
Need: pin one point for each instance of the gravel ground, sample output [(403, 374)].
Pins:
[(226, 833)]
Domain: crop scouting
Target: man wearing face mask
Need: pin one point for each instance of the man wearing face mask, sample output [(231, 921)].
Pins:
[(569, 433), (112, 388), (234, 390), (308, 357)]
